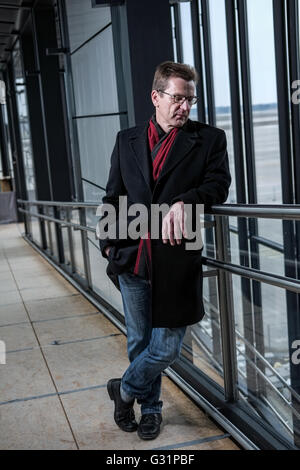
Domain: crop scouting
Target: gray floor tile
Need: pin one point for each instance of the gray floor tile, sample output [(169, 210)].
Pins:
[(87, 363), (24, 375), (60, 307), (30, 426)]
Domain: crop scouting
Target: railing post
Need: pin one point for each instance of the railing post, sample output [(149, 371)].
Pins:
[(85, 248), (59, 239), (70, 238), (226, 307), (40, 210)]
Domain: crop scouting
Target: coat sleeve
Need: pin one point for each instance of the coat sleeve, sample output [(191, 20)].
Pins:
[(114, 188), (216, 180)]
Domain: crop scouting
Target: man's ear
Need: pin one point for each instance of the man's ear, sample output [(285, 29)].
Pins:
[(154, 97)]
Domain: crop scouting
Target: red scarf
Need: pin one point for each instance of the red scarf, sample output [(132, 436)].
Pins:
[(158, 162), (164, 149)]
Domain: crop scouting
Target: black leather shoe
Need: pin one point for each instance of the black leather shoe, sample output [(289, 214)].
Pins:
[(124, 413), (149, 426)]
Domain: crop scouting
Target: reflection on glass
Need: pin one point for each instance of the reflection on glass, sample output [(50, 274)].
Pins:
[(202, 342), (97, 137), (94, 76), (36, 231), (264, 375), (270, 250)]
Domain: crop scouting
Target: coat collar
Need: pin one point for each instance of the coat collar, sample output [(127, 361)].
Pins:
[(184, 142)]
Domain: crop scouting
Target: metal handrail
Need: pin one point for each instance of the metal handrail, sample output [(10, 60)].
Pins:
[(59, 221), (284, 282), (272, 211), (59, 204), (251, 273)]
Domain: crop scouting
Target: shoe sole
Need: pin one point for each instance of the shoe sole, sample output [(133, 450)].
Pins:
[(150, 436), (147, 438)]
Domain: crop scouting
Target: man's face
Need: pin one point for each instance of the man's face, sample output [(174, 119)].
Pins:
[(168, 113)]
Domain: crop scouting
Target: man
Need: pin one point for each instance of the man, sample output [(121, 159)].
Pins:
[(176, 161)]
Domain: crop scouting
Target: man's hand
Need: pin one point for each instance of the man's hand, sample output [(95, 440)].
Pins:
[(173, 226)]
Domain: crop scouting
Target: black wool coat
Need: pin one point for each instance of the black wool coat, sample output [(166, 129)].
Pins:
[(196, 171)]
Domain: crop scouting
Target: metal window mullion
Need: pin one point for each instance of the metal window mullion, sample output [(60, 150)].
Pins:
[(198, 59), (235, 101), (247, 302), (294, 64), (211, 107), (289, 239), (281, 62), (227, 321), (3, 144), (178, 32), (247, 101), (251, 174)]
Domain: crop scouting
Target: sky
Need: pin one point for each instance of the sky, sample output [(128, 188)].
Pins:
[(261, 49)]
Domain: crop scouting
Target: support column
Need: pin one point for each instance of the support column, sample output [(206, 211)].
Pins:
[(54, 119), (36, 121), (143, 23), (3, 144)]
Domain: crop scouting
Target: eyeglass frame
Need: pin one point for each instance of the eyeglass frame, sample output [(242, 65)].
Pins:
[(183, 98)]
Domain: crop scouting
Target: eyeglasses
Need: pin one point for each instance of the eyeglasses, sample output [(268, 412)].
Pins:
[(179, 99)]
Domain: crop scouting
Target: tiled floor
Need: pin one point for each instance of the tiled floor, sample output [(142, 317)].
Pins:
[(60, 352)]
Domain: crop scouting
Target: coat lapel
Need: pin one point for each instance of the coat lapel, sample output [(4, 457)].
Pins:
[(184, 142), (139, 145)]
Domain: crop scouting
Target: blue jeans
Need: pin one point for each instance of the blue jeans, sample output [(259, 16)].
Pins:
[(150, 350)]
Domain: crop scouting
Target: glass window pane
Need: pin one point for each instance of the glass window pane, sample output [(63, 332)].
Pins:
[(94, 77), (264, 366), (202, 342), (221, 80), (187, 41), (97, 138), (85, 21), (187, 37), (264, 100)]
